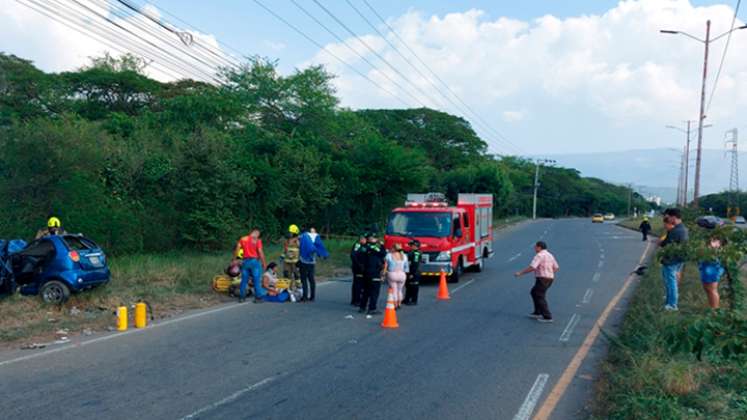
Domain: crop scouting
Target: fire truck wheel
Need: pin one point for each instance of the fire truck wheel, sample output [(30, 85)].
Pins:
[(479, 265), (456, 272)]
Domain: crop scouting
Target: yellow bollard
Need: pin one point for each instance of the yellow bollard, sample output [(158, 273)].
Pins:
[(122, 318), (141, 321)]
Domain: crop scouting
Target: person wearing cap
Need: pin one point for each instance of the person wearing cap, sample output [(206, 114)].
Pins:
[(291, 252), (645, 228), (358, 261), (54, 227), (412, 286), (375, 255)]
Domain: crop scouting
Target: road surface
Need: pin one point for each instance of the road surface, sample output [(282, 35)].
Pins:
[(476, 356)]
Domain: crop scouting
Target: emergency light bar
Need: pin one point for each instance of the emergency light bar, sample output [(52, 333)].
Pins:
[(422, 204)]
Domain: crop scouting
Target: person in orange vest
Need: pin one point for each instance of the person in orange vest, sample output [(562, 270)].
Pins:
[(249, 249)]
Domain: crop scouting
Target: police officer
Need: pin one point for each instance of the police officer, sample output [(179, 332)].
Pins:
[(412, 286), (375, 256), (358, 260)]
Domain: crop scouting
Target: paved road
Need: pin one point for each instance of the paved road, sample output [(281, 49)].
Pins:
[(476, 356)]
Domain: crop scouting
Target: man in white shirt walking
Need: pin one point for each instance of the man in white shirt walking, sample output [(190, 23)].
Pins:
[(544, 266)]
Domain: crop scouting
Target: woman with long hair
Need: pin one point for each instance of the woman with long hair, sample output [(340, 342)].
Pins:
[(396, 267)]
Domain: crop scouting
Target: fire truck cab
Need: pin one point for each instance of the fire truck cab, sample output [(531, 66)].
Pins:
[(452, 238)]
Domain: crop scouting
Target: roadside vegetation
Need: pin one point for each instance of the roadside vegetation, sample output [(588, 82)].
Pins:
[(690, 364), (167, 176)]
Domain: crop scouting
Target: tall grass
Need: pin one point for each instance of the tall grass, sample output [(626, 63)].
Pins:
[(644, 379)]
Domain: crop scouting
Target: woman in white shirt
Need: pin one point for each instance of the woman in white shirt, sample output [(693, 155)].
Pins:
[(396, 267)]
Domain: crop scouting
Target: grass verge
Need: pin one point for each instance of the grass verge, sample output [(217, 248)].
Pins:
[(646, 377), (171, 283)]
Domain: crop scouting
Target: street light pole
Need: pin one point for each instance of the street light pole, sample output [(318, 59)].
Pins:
[(707, 42), (699, 152), (537, 164), (687, 166)]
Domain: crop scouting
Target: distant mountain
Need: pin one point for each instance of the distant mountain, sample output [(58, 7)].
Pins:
[(653, 171)]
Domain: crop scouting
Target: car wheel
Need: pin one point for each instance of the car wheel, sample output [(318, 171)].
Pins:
[(54, 291), (456, 272)]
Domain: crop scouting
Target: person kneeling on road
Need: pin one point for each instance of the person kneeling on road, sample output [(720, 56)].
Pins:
[(270, 284), (253, 261), (544, 266), (375, 255)]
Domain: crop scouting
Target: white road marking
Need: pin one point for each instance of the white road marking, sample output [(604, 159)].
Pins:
[(601, 264), (587, 296), (526, 409), (601, 256), (230, 398), (514, 257), (462, 286), (566, 335), (595, 279)]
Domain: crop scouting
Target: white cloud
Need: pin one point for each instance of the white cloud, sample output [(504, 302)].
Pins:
[(614, 68), (56, 46)]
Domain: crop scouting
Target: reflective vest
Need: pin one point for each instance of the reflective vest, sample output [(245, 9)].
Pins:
[(292, 250)]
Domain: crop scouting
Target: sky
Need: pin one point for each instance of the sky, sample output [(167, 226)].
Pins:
[(534, 78)]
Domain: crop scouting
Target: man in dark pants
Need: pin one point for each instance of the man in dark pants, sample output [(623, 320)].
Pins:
[(544, 266), (375, 255), (645, 228), (412, 286), (358, 261)]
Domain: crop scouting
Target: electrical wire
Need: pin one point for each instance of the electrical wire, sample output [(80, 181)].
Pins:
[(361, 56), (325, 49), (723, 56), (437, 88), (435, 75), (104, 36)]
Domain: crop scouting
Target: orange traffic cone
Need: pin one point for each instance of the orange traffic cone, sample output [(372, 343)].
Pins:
[(443, 290), (390, 315)]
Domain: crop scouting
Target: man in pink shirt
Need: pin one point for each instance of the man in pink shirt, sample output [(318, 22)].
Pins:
[(544, 268)]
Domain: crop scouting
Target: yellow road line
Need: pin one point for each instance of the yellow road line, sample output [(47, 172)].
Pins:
[(559, 389)]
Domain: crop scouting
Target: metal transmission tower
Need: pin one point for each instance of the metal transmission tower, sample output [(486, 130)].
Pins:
[(731, 142)]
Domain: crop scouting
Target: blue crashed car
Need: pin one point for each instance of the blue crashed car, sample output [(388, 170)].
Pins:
[(56, 266)]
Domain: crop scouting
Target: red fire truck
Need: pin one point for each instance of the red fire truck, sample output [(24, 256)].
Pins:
[(452, 238)]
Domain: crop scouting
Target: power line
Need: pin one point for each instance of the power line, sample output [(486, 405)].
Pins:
[(185, 38), (325, 49), (409, 62), (107, 37), (723, 56), (435, 75), (165, 51), (196, 29), (373, 66), (369, 48)]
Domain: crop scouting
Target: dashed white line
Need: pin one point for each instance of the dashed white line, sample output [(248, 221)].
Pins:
[(527, 408), (601, 264), (514, 257), (462, 286), (587, 296), (595, 279), (601, 256), (230, 398), (566, 335)]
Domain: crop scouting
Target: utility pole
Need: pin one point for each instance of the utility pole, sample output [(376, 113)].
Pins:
[(630, 199), (707, 42), (701, 117), (687, 165), (680, 181), (731, 143), (537, 164)]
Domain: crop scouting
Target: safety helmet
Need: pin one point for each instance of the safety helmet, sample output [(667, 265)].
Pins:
[(53, 222), (294, 229)]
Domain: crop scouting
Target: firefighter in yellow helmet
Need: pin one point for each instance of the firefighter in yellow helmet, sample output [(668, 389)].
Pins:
[(54, 227), (291, 251)]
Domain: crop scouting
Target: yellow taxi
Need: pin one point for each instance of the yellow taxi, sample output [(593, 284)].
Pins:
[(597, 218)]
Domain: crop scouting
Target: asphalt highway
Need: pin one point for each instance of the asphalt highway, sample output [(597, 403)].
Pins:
[(475, 356)]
